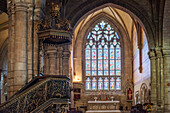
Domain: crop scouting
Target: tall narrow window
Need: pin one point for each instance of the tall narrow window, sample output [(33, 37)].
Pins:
[(103, 58)]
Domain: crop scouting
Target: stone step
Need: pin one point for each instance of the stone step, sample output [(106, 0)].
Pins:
[(103, 111)]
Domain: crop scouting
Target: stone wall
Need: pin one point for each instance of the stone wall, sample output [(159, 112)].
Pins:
[(144, 76)]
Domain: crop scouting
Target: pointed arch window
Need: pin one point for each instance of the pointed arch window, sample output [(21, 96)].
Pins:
[(103, 58)]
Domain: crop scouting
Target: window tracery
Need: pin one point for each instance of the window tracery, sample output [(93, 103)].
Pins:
[(103, 58)]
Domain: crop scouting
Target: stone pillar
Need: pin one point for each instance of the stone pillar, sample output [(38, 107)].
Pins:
[(166, 84), (20, 70), (60, 60), (159, 63), (66, 55), (46, 62), (52, 60), (153, 79), (11, 32)]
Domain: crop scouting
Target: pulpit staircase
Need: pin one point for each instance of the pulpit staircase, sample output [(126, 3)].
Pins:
[(41, 95)]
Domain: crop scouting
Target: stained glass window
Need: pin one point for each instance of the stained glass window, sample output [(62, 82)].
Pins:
[(94, 84), (88, 84), (100, 84), (103, 58)]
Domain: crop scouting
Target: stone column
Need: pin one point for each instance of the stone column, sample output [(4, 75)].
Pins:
[(20, 70), (166, 84), (159, 78), (153, 79), (52, 60), (66, 55), (11, 32), (59, 60), (46, 63)]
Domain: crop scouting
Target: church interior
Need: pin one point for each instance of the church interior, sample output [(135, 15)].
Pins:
[(84, 56)]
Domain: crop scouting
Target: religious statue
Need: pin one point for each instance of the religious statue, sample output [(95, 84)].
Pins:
[(129, 94)]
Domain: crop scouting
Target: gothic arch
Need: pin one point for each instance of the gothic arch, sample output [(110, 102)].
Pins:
[(131, 8), (125, 49), (143, 93)]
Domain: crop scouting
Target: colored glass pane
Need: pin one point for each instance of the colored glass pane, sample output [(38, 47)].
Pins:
[(100, 54), (112, 84), (117, 64), (88, 84), (112, 54), (106, 32), (106, 54), (94, 73), (118, 72), (112, 47), (115, 42), (112, 72), (111, 64), (107, 37), (93, 54), (94, 84), (94, 65), (88, 36), (106, 65), (100, 73), (111, 32), (91, 43), (118, 84), (87, 64), (88, 73), (100, 84), (103, 42), (87, 47), (117, 53), (106, 84), (87, 54), (94, 37), (96, 28), (102, 24), (100, 66), (99, 36), (106, 73)]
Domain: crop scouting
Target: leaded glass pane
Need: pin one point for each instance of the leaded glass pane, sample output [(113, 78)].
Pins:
[(100, 73), (93, 54), (88, 84), (118, 84), (118, 72), (112, 73), (87, 64), (100, 54), (106, 84), (100, 84), (94, 65), (88, 73), (94, 84), (111, 64), (87, 54), (106, 73), (106, 65), (112, 84), (94, 73), (117, 52), (112, 54), (100, 65), (117, 64)]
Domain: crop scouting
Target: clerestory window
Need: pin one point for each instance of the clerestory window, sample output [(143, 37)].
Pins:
[(103, 58)]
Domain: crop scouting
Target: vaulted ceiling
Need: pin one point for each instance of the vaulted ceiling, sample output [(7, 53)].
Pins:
[(122, 17)]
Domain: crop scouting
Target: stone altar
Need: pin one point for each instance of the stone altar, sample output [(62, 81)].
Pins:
[(103, 107)]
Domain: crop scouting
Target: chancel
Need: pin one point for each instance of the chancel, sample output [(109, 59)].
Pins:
[(84, 56)]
